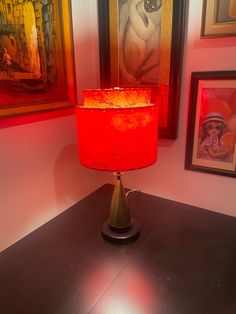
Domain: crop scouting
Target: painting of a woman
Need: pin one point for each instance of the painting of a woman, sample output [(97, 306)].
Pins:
[(139, 33)]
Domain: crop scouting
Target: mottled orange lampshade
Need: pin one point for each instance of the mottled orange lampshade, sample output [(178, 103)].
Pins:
[(117, 98), (117, 129)]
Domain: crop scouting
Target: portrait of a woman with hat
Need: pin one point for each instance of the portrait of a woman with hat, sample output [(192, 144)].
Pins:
[(211, 145)]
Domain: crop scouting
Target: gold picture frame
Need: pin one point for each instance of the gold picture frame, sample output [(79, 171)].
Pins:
[(218, 18), (37, 71)]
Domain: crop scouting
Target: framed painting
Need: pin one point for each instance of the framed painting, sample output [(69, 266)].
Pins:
[(36, 57), (218, 18), (141, 44), (211, 137)]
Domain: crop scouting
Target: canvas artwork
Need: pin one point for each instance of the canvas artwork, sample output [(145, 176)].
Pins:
[(143, 51), (213, 127), (216, 130), (33, 64), (219, 18), (139, 49), (141, 44), (226, 12)]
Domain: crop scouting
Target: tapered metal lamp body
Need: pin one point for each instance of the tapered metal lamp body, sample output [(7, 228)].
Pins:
[(120, 217), (120, 227), (117, 131)]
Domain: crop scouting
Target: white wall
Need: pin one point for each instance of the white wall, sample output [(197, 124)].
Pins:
[(40, 175), (168, 178)]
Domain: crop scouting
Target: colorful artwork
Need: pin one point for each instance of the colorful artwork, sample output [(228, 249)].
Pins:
[(217, 129), (212, 126), (33, 47)]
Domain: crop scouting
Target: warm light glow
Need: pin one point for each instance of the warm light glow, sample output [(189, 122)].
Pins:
[(117, 139), (117, 98), (132, 292)]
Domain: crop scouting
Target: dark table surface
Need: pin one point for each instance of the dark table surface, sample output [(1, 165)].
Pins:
[(184, 262)]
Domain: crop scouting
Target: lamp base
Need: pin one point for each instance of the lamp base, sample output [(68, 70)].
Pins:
[(120, 236)]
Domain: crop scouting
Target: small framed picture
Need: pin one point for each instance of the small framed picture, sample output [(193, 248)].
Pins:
[(218, 18), (211, 137)]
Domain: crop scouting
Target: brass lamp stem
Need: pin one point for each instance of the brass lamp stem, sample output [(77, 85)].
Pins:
[(120, 228), (119, 213)]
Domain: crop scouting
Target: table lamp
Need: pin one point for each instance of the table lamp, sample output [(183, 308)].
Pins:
[(117, 131)]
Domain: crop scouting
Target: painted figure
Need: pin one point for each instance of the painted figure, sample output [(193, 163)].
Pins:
[(140, 31), (31, 39), (211, 144), (7, 63)]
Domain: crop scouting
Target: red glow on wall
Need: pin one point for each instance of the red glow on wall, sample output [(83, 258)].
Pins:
[(35, 117), (160, 96)]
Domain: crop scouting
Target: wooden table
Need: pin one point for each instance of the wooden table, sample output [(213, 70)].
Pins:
[(184, 262)]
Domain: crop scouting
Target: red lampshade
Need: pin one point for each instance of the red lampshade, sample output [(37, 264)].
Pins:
[(117, 129)]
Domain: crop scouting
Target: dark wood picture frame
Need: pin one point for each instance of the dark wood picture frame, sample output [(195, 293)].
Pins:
[(170, 129), (212, 105), (53, 86)]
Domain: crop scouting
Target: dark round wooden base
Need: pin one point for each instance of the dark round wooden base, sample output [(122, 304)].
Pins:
[(120, 236)]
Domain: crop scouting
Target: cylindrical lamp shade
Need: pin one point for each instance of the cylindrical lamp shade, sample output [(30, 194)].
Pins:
[(117, 139)]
